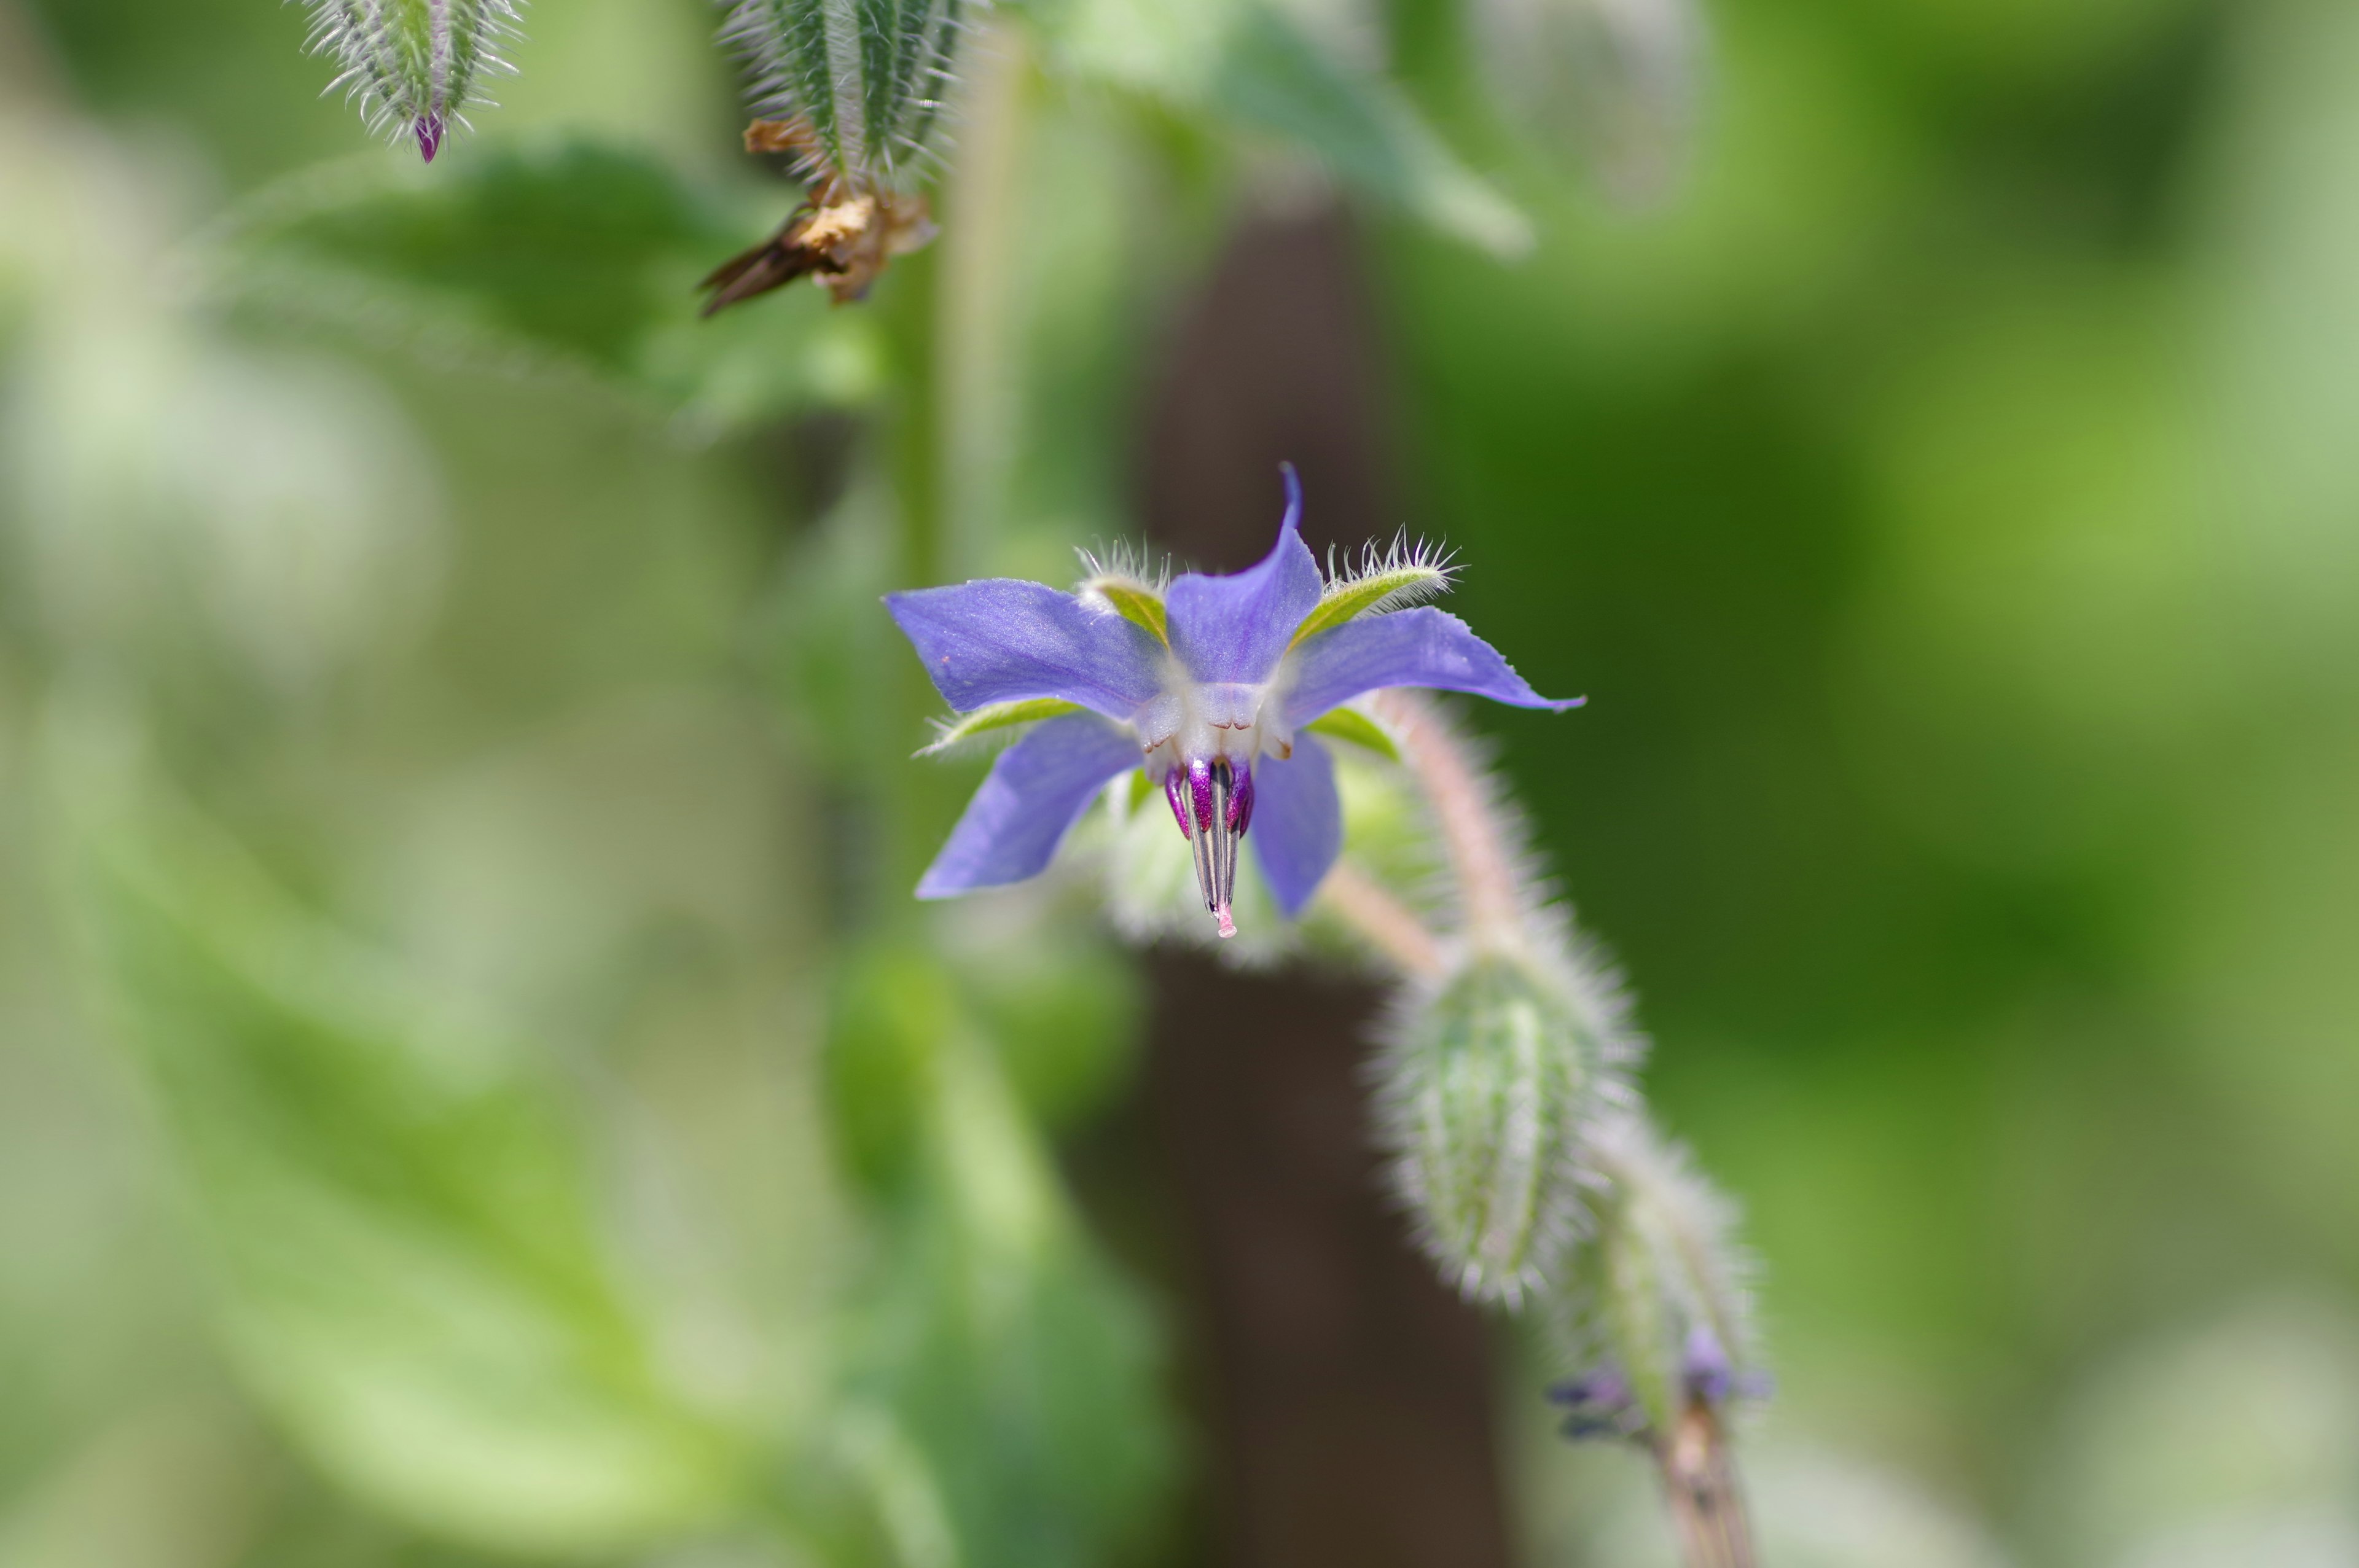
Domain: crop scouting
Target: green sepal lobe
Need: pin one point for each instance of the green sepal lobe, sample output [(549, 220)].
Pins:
[(951, 732)]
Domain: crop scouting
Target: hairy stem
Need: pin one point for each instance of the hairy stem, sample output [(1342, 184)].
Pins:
[(1482, 851), (1382, 921), (1700, 1488)]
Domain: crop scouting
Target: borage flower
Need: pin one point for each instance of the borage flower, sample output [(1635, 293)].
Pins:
[(1208, 684)]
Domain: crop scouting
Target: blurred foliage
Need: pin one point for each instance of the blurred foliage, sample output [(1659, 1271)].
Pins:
[(1943, 492), (410, 1277), (569, 257)]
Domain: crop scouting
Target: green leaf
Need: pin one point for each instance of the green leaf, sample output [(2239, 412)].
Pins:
[(1346, 724), (410, 1276), (1249, 65), (951, 732), (1357, 596), (565, 257)]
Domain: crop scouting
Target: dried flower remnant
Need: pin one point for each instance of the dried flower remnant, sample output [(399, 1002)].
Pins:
[(1207, 685), (416, 66), (856, 92), (839, 238)]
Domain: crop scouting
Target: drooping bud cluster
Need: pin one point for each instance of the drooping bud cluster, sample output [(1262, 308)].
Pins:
[(1527, 1162), (414, 66), (856, 92)]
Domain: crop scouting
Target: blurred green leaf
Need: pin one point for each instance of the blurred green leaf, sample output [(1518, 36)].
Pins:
[(1248, 65), (558, 256), (410, 1274), (1002, 1389), (1004, 1348), (1063, 1007)]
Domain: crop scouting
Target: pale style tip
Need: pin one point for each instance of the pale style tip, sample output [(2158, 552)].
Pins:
[(1228, 926)]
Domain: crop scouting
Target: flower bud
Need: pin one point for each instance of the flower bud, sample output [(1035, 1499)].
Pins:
[(1654, 1301), (1486, 1083), (863, 86), (415, 65)]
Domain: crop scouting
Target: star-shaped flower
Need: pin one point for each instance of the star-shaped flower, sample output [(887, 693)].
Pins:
[(1208, 684)]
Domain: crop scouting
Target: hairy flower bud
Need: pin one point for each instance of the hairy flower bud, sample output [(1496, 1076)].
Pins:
[(1656, 1301), (1657, 1311), (1487, 1081), (868, 78), (416, 66)]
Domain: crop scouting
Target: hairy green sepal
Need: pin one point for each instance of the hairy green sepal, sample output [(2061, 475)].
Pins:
[(1357, 596), (1133, 600), (997, 716)]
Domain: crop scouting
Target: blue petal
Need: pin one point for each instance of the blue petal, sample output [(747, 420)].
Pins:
[(1298, 822), (1034, 793), (1002, 640), (1424, 647), (1235, 629)]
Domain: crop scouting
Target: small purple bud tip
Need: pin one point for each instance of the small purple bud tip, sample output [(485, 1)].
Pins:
[(428, 129), (1709, 1375)]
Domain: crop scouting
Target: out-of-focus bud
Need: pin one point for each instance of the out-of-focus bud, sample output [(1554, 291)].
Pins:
[(1659, 1320), (1612, 83), (858, 100), (1656, 1302), (1488, 1078), (416, 66)]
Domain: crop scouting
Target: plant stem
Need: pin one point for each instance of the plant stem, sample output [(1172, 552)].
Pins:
[(1482, 851), (1700, 1488), (1382, 921)]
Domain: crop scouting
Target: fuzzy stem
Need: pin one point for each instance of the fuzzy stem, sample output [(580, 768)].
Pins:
[(1482, 852), (1382, 921), (1700, 1488)]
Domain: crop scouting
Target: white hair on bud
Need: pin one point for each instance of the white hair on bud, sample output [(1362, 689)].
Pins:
[(1659, 1221), (872, 80)]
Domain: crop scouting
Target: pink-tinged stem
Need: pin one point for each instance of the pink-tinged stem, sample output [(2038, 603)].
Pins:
[(1481, 856), (1699, 1486), (1382, 921)]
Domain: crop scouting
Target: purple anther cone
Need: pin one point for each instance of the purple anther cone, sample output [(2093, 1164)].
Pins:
[(1213, 705)]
